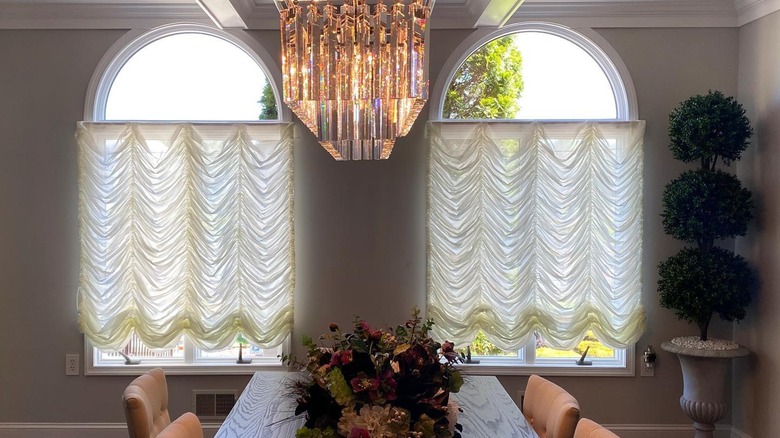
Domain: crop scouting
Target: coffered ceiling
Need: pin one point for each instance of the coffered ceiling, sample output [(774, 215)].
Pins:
[(262, 14)]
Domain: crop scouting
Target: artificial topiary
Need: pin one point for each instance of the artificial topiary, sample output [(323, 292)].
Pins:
[(703, 205)]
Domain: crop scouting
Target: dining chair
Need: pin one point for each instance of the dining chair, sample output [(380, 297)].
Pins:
[(590, 429), (146, 405), (551, 411), (186, 426)]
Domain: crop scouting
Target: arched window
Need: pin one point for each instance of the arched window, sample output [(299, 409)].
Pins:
[(184, 72), (535, 195), (186, 206), (537, 71)]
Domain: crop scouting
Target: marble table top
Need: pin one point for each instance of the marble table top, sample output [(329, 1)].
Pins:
[(266, 410)]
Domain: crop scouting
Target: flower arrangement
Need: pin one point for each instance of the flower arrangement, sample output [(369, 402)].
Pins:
[(388, 383)]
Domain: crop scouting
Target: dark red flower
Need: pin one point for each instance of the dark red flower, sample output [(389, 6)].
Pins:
[(389, 385), (364, 383), (346, 357), (375, 335), (359, 433), (333, 327)]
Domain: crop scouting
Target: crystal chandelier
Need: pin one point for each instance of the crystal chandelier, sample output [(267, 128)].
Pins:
[(355, 74)]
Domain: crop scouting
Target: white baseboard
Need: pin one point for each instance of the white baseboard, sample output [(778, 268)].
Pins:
[(665, 431), (119, 430), (77, 430), (736, 433)]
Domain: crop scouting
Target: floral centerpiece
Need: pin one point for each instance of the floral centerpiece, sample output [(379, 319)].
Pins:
[(387, 383)]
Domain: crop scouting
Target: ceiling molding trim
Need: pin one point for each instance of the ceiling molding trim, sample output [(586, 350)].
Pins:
[(447, 14), (751, 10), (497, 12), (97, 16), (616, 13), (261, 16), (223, 13)]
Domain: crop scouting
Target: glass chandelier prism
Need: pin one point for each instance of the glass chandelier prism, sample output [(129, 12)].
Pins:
[(355, 74)]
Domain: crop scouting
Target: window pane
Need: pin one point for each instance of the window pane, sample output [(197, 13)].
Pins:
[(596, 349), (483, 348), (249, 351), (191, 77), (137, 350), (557, 80)]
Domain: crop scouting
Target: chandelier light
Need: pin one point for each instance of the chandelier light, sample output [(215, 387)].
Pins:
[(355, 74)]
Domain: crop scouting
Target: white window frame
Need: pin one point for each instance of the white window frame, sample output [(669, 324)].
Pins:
[(591, 42), (95, 110), (627, 108), (123, 49), (526, 363), (190, 365)]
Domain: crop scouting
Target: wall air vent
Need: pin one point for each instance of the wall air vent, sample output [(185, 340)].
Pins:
[(213, 404)]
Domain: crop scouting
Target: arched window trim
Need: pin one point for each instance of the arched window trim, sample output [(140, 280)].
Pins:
[(133, 41), (591, 42)]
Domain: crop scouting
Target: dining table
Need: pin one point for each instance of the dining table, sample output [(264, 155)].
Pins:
[(266, 409)]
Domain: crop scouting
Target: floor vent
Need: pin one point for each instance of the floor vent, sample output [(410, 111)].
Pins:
[(213, 405)]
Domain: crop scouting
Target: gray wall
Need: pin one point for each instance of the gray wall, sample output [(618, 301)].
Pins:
[(360, 227), (756, 385)]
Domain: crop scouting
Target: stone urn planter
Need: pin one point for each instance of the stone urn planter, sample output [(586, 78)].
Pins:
[(706, 383)]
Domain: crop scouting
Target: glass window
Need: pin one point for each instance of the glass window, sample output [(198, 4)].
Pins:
[(183, 73), (192, 77), (539, 73)]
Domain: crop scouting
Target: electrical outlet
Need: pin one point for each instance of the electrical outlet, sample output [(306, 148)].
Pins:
[(646, 371), (71, 364)]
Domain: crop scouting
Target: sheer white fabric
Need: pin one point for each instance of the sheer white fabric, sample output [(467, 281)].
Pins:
[(185, 230), (535, 227)]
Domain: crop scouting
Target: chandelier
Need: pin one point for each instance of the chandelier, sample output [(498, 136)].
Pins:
[(355, 74)]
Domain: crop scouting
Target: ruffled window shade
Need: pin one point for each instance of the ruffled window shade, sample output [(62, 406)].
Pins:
[(535, 227), (185, 229)]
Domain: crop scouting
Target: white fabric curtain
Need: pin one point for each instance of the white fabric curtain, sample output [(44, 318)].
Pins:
[(185, 229), (535, 227)]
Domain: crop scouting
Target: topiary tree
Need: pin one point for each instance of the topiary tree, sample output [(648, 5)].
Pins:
[(704, 205)]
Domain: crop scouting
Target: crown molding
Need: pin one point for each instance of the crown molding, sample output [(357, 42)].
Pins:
[(751, 10), (83, 15), (447, 14), (638, 13)]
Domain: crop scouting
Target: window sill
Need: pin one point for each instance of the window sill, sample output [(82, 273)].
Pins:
[(545, 370), (182, 369)]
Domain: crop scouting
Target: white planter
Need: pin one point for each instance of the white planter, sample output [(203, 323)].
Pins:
[(706, 384)]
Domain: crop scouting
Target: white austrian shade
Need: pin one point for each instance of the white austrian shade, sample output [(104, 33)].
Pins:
[(536, 227), (185, 229)]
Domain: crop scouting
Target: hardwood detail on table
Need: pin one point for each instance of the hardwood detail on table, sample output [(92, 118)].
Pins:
[(266, 409)]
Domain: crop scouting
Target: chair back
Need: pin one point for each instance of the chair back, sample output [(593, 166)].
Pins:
[(186, 426), (146, 405), (551, 411), (590, 429)]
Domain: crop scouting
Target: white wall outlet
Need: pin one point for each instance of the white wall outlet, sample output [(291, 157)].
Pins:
[(646, 371), (71, 364)]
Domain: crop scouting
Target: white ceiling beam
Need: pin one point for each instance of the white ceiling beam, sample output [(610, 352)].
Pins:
[(224, 13), (497, 12)]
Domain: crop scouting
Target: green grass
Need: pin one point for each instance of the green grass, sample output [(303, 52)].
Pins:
[(482, 347)]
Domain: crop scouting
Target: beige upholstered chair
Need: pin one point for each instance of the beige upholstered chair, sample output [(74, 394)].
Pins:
[(551, 411), (186, 426), (590, 429), (146, 405)]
